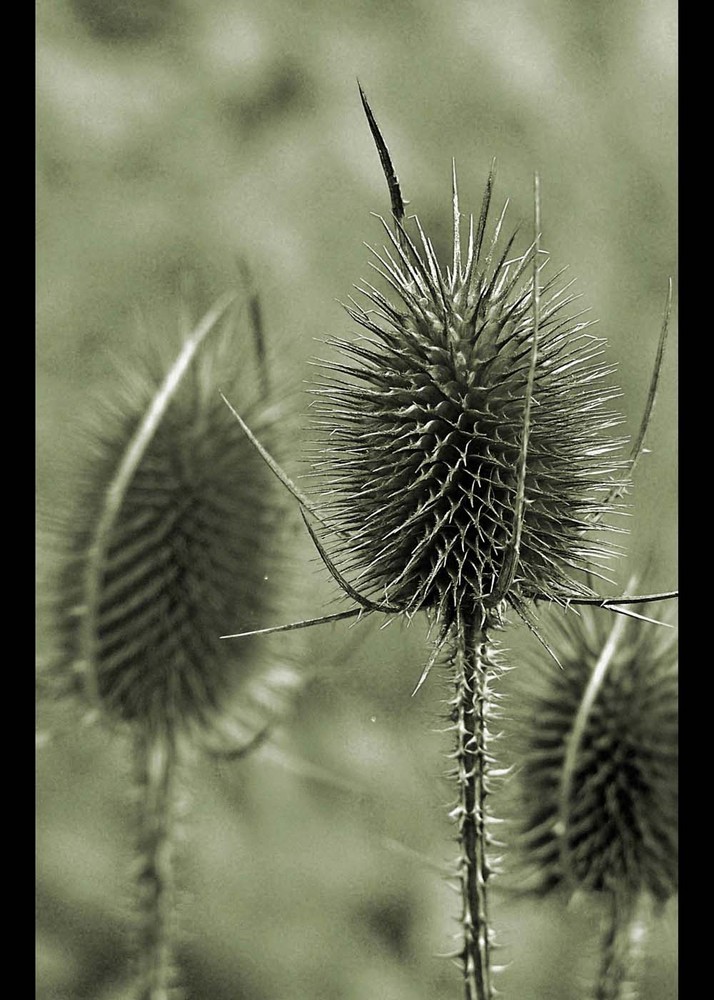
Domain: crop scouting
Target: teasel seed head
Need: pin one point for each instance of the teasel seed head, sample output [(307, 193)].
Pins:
[(598, 782), (421, 430), (170, 539)]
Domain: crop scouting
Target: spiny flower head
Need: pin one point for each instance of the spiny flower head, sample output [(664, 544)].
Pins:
[(599, 777), (432, 495), (168, 541)]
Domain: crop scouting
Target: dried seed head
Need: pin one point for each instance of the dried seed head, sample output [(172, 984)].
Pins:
[(422, 430), (169, 541), (599, 773)]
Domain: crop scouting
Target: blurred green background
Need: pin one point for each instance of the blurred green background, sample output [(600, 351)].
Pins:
[(175, 136)]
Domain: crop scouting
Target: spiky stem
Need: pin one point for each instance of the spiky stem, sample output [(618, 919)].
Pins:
[(156, 761), (473, 669), (621, 948)]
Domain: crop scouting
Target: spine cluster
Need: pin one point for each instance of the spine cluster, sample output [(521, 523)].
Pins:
[(170, 541), (422, 430), (599, 774)]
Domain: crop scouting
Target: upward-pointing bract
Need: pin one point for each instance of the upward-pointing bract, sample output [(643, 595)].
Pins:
[(422, 430)]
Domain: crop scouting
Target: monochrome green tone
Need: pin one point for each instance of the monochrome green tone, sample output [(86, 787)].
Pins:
[(177, 140)]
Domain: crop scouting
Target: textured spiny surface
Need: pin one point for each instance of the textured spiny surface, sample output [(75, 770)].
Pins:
[(186, 553), (610, 823), (422, 431)]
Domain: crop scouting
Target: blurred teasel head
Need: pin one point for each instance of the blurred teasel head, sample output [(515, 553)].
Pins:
[(598, 782), (170, 537), (466, 445)]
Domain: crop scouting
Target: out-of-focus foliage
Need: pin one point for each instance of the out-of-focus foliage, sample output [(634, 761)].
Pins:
[(175, 136)]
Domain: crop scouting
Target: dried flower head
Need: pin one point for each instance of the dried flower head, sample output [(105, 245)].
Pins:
[(169, 540), (466, 445), (599, 774), (465, 456)]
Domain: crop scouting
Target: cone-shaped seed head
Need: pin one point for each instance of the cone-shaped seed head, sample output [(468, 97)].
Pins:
[(599, 778), (422, 430), (186, 554)]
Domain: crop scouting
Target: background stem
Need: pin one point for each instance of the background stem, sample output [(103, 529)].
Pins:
[(471, 660), (621, 948), (156, 760)]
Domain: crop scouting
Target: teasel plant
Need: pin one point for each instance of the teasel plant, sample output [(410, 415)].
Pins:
[(171, 532), (466, 455), (597, 784)]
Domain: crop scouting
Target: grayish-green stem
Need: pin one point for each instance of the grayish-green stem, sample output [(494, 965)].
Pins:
[(621, 948), (156, 761), (470, 709)]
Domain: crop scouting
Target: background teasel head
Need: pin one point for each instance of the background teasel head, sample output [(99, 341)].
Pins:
[(170, 538), (427, 487), (598, 778)]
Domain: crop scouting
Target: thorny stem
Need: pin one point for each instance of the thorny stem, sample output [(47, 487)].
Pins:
[(156, 760), (621, 948), (470, 707)]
